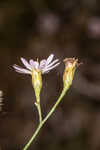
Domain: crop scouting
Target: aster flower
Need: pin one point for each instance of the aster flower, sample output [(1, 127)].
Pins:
[(35, 69), (44, 67)]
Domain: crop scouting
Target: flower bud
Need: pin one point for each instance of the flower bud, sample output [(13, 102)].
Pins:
[(37, 83), (70, 66)]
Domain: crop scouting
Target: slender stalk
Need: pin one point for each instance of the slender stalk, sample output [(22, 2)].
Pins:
[(39, 111), (55, 105), (33, 137), (45, 119)]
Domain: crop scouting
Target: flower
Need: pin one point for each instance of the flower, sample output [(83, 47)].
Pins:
[(35, 70), (44, 67), (70, 66)]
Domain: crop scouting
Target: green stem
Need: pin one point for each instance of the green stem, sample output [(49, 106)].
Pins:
[(45, 119), (39, 111), (55, 105), (33, 137), (37, 103)]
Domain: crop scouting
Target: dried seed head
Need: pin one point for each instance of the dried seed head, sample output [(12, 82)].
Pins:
[(70, 66)]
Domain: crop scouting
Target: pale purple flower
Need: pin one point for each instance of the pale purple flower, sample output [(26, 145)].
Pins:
[(44, 66)]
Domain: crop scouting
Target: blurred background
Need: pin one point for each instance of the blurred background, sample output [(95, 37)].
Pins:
[(35, 29)]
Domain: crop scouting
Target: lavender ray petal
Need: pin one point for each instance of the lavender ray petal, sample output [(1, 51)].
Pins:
[(27, 72), (27, 65), (49, 59), (34, 64), (42, 64), (47, 69), (21, 70), (45, 72), (51, 64)]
